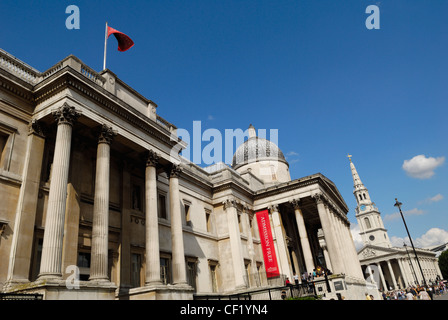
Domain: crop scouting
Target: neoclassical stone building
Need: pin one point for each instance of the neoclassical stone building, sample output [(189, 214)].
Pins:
[(397, 267), (91, 181)]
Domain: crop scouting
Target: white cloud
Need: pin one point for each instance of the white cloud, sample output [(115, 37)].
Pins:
[(432, 237), (436, 198), (357, 239), (396, 215), (292, 157), (422, 167)]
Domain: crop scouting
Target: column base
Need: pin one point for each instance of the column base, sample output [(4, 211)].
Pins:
[(99, 279), (52, 289), (154, 283), (49, 276), (158, 292)]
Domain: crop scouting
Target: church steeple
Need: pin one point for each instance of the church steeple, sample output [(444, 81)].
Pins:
[(359, 190), (369, 219)]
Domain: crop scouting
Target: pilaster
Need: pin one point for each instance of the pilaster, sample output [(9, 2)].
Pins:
[(230, 207), (20, 256)]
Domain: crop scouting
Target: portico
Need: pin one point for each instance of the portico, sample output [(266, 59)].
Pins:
[(103, 190)]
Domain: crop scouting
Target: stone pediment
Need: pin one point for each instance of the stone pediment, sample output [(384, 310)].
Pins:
[(370, 251)]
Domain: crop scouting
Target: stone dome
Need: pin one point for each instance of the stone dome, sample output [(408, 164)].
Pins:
[(256, 149)]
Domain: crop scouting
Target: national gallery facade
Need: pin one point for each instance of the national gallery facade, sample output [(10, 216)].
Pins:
[(92, 187)]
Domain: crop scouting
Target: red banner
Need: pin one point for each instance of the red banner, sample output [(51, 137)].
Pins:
[(267, 244)]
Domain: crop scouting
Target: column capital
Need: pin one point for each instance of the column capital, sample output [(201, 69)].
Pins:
[(36, 127), (319, 198), (107, 134), (295, 203), (245, 208), (66, 114), (153, 159), (273, 208), (175, 170), (230, 203)]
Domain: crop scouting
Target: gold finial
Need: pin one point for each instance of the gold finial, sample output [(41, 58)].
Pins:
[(349, 156)]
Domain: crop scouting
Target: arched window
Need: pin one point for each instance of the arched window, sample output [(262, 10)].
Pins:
[(364, 196), (360, 198), (367, 222)]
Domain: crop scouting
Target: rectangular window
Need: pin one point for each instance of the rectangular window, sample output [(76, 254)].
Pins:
[(213, 277), (165, 270), (191, 273), (6, 144), (247, 269), (162, 206), (37, 257), (208, 220), (84, 265), (136, 198), (187, 215), (251, 225), (240, 225), (3, 140), (136, 269), (259, 271)]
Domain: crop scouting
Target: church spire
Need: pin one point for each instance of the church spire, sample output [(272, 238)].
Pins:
[(360, 191), (369, 219), (357, 183)]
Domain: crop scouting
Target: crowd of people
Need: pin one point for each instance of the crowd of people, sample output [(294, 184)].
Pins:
[(414, 292)]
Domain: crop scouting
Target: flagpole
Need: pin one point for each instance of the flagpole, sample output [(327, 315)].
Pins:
[(105, 49)]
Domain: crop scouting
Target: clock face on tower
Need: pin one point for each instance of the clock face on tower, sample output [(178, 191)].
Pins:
[(363, 207)]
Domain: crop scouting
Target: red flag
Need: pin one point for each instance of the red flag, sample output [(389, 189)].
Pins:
[(124, 42)]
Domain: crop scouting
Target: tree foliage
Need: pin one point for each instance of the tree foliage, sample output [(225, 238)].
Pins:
[(443, 264)]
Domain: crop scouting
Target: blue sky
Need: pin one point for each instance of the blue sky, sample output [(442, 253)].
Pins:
[(310, 69)]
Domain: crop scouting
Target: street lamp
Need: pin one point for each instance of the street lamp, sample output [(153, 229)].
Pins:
[(398, 204)]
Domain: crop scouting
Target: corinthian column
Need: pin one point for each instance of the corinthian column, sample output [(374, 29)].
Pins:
[(100, 228), (306, 248), (177, 241), (152, 221), (50, 267), (329, 234), (277, 227)]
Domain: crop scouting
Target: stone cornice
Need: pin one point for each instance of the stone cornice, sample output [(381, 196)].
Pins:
[(65, 78), (16, 86)]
